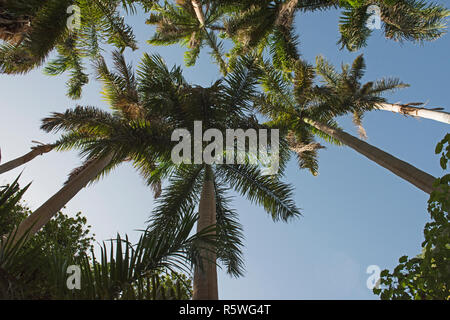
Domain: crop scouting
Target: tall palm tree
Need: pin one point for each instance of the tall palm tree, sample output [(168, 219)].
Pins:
[(38, 150), (109, 140), (146, 110), (307, 109), (224, 105), (347, 84), (212, 182), (193, 23), (162, 96), (129, 134), (32, 29)]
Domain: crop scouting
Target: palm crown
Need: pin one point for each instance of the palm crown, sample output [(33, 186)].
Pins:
[(146, 108), (33, 29), (288, 103)]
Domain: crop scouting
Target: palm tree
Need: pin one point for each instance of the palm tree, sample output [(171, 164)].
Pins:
[(187, 23), (348, 86), (33, 29), (212, 182), (307, 110), (146, 110), (109, 140), (223, 105), (193, 23), (130, 134), (162, 97), (38, 150), (267, 24)]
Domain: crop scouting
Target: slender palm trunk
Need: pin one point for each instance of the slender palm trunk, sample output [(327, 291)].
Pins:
[(205, 278), (198, 11), (436, 115), (404, 170), (36, 151), (45, 212)]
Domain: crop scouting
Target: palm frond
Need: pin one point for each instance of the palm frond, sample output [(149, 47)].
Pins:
[(272, 194)]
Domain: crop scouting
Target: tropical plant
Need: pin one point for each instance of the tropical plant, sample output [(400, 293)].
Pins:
[(401, 20), (307, 109), (130, 133), (256, 26), (24, 271), (145, 108), (426, 276), (151, 269), (32, 29), (190, 25), (347, 85), (222, 106)]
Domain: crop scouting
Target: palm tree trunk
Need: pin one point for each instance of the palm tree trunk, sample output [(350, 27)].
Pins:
[(45, 212), (436, 115), (205, 277), (404, 170), (199, 12), (36, 151), (286, 14)]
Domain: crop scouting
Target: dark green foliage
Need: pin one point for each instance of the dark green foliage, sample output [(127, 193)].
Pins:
[(47, 29), (426, 276), (254, 26), (402, 20), (150, 269), (145, 270), (26, 269)]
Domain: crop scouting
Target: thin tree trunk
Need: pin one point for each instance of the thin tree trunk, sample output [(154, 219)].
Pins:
[(436, 115), (404, 170), (199, 12), (205, 278), (36, 151), (52, 206)]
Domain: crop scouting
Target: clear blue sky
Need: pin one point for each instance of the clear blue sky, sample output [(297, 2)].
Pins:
[(355, 213)]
